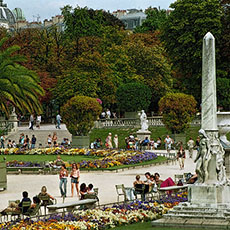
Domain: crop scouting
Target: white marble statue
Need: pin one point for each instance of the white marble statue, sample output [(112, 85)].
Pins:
[(144, 121)]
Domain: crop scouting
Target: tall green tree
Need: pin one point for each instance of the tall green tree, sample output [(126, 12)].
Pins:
[(183, 34), (154, 20), (151, 63), (18, 85), (83, 22)]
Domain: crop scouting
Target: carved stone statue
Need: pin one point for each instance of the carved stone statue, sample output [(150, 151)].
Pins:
[(206, 151), (144, 121), (202, 156)]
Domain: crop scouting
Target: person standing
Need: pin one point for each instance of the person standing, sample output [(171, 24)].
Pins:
[(49, 140), (168, 143), (115, 140), (31, 122), (33, 141), (108, 114), (58, 120), (63, 175), (54, 139), (181, 156), (27, 142), (38, 122), (190, 144), (75, 175), (2, 142), (108, 141)]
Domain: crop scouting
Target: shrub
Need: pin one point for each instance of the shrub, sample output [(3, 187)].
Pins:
[(79, 114), (133, 97), (178, 111)]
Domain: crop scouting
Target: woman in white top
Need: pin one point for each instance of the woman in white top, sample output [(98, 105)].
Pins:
[(49, 140), (75, 175)]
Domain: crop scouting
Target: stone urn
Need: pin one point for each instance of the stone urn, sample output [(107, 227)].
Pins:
[(223, 123)]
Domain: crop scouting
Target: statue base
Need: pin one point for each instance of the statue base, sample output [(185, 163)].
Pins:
[(209, 194), (142, 134), (208, 206)]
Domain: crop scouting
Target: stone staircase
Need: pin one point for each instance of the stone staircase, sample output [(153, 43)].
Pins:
[(193, 216), (41, 134)]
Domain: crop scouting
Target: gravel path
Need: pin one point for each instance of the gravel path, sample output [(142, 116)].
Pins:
[(105, 181)]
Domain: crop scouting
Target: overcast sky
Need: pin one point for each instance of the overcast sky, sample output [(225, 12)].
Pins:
[(48, 8)]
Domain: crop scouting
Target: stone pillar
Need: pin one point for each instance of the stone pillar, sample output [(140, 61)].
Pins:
[(208, 107)]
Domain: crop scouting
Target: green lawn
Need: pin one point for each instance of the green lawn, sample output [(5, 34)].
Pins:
[(42, 158), (148, 226), (122, 133)]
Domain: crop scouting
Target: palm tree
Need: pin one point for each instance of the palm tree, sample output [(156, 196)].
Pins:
[(19, 86)]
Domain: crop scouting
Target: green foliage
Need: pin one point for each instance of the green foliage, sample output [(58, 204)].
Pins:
[(74, 83), (82, 22), (151, 63), (79, 114), (183, 35), (133, 97), (154, 20), (178, 111), (223, 86), (18, 85)]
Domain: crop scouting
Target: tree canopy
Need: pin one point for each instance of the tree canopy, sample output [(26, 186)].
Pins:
[(183, 34)]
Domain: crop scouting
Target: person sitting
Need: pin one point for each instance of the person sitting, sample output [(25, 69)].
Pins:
[(16, 208), (137, 144), (83, 191), (191, 179), (152, 184), (58, 163), (36, 202), (145, 142), (158, 180), (166, 183), (45, 197), (90, 189), (64, 142), (9, 144), (158, 143), (139, 187), (151, 144)]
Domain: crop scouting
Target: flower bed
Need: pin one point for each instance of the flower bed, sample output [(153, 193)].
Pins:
[(104, 218), (109, 158)]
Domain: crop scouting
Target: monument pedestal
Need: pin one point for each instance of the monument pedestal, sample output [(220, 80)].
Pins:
[(208, 206), (209, 195), (141, 135)]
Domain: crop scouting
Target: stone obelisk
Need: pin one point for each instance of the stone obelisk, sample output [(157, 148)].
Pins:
[(210, 158), (209, 108)]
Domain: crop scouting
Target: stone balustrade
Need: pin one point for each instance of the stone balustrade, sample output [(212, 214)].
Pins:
[(155, 121)]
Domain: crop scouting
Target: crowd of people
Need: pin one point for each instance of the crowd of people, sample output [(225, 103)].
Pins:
[(25, 142)]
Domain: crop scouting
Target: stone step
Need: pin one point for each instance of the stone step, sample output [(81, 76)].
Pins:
[(197, 215), (193, 212), (41, 135), (192, 223)]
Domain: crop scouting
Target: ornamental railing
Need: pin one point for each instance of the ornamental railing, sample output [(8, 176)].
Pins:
[(155, 121)]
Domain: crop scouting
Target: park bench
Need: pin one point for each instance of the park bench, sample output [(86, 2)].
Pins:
[(70, 206), (174, 189)]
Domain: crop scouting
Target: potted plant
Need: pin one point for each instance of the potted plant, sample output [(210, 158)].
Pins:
[(133, 97), (178, 110), (79, 114)]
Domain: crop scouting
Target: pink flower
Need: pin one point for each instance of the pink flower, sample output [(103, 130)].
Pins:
[(99, 101)]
